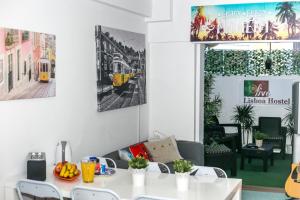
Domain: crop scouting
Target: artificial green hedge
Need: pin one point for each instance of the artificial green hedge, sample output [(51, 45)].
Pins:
[(242, 62)]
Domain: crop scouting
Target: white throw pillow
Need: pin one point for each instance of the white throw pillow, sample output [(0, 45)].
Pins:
[(125, 155)]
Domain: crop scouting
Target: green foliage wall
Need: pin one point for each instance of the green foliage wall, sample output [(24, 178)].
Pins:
[(242, 62)]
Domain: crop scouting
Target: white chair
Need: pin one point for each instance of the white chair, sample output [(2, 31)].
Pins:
[(220, 172), (146, 197), (83, 193), (104, 161), (208, 171), (158, 167), (38, 189)]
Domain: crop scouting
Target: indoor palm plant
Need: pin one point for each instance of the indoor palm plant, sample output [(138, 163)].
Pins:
[(182, 170), (289, 122), (259, 137), (244, 114), (212, 103), (138, 166)]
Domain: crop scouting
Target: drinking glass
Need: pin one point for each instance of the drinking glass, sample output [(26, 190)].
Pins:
[(88, 170)]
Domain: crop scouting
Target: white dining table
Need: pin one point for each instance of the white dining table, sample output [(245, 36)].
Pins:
[(156, 184)]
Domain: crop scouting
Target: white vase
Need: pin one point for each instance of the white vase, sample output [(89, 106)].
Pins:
[(259, 143), (138, 177), (182, 181)]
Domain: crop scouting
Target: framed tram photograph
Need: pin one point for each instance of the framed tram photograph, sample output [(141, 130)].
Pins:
[(121, 68), (27, 64)]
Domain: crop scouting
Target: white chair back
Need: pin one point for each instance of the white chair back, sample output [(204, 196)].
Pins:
[(38, 189), (158, 167), (220, 172), (208, 171), (83, 193), (146, 197), (104, 161)]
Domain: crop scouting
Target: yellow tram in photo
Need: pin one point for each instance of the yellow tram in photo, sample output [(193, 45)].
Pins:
[(44, 66), (122, 72)]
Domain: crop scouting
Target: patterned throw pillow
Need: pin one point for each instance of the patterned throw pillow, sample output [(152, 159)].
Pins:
[(163, 150), (140, 150)]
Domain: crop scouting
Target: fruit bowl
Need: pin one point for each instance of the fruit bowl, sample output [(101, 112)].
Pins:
[(65, 179), (66, 171)]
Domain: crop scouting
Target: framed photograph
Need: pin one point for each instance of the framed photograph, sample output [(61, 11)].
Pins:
[(121, 68), (27, 64)]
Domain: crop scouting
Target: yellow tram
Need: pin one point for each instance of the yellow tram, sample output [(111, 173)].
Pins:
[(122, 72), (44, 66)]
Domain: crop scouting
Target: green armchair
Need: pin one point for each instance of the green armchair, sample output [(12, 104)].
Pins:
[(276, 134)]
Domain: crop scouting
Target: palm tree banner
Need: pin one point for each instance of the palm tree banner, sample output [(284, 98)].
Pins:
[(248, 22)]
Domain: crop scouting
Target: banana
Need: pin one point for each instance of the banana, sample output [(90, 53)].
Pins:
[(72, 168), (71, 175), (66, 174), (63, 170), (69, 166)]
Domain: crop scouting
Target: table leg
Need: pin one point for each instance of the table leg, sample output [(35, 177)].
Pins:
[(242, 161), (238, 194), (272, 159), (265, 163)]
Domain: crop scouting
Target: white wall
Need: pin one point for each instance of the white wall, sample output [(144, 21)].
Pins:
[(171, 98), (167, 38), (230, 90), (37, 124), (140, 7)]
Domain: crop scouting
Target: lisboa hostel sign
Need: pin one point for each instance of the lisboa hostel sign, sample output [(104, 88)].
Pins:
[(258, 92)]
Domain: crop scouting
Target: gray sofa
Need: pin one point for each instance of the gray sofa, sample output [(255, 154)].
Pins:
[(192, 151)]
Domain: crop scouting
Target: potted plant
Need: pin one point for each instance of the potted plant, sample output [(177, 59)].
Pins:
[(212, 102), (182, 170), (244, 115), (138, 166), (259, 137), (290, 130)]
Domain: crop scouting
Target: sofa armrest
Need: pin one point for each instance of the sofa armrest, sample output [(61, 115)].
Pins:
[(191, 151), (113, 155)]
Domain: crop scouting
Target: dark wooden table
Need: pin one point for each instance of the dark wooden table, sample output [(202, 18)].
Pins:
[(265, 152)]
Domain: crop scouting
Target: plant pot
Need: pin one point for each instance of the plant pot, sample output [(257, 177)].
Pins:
[(259, 143), (138, 177), (182, 181)]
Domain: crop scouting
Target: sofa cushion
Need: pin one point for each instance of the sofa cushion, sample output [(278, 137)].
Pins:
[(163, 150), (139, 150), (125, 155)]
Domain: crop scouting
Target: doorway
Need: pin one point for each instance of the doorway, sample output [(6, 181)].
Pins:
[(227, 69)]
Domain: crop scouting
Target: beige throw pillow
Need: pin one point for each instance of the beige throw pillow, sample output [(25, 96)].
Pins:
[(163, 150)]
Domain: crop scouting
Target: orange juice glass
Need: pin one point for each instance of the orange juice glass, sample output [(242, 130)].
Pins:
[(88, 170)]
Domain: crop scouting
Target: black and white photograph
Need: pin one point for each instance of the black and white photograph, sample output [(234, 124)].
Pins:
[(121, 68)]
